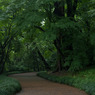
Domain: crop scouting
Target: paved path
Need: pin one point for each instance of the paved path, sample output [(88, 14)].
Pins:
[(33, 85)]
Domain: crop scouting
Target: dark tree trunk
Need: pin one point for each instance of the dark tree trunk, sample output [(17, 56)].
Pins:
[(58, 48), (74, 7), (60, 12), (2, 68), (38, 69), (60, 55), (44, 61), (4, 58), (27, 46), (59, 8), (2, 61), (34, 68), (69, 8)]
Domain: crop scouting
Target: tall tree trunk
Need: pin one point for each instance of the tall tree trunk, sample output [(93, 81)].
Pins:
[(38, 69), (69, 8), (2, 61), (27, 46), (59, 12), (4, 58), (60, 55), (2, 67), (43, 59), (59, 62), (59, 8), (74, 7)]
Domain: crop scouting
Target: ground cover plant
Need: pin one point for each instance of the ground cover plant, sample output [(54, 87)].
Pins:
[(9, 86), (84, 80)]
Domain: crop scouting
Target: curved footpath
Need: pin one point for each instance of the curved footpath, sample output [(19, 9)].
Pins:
[(34, 85)]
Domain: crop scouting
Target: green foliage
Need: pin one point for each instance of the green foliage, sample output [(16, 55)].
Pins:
[(8, 86), (41, 23)]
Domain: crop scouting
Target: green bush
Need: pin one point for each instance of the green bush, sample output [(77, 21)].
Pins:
[(84, 84), (9, 86)]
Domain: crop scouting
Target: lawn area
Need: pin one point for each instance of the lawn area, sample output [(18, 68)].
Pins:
[(9, 86), (84, 80)]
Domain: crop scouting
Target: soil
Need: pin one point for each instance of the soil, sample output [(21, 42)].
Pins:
[(34, 85)]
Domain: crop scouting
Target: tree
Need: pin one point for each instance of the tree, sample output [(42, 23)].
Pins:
[(67, 24), (7, 31)]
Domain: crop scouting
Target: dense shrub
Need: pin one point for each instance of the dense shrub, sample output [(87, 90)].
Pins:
[(9, 86), (84, 84)]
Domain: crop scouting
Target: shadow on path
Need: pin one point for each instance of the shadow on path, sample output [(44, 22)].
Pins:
[(34, 85)]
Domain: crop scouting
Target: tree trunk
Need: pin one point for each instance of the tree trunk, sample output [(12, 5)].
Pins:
[(2, 61), (2, 68), (44, 61), (60, 55), (4, 58), (38, 69), (59, 65), (60, 12), (69, 8)]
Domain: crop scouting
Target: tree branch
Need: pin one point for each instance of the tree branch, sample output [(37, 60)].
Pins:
[(40, 28), (43, 59), (58, 48)]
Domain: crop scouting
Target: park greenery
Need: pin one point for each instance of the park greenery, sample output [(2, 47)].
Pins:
[(9, 86), (48, 35)]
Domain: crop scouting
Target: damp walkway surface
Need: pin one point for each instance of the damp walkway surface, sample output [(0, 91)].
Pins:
[(34, 85)]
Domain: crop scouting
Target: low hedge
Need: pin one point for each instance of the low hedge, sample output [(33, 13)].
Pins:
[(81, 83), (9, 86)]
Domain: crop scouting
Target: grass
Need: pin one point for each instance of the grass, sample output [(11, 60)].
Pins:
[(9, 86), (84, 80)]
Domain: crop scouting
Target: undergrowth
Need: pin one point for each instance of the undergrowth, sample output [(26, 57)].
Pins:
[(9, 86)]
